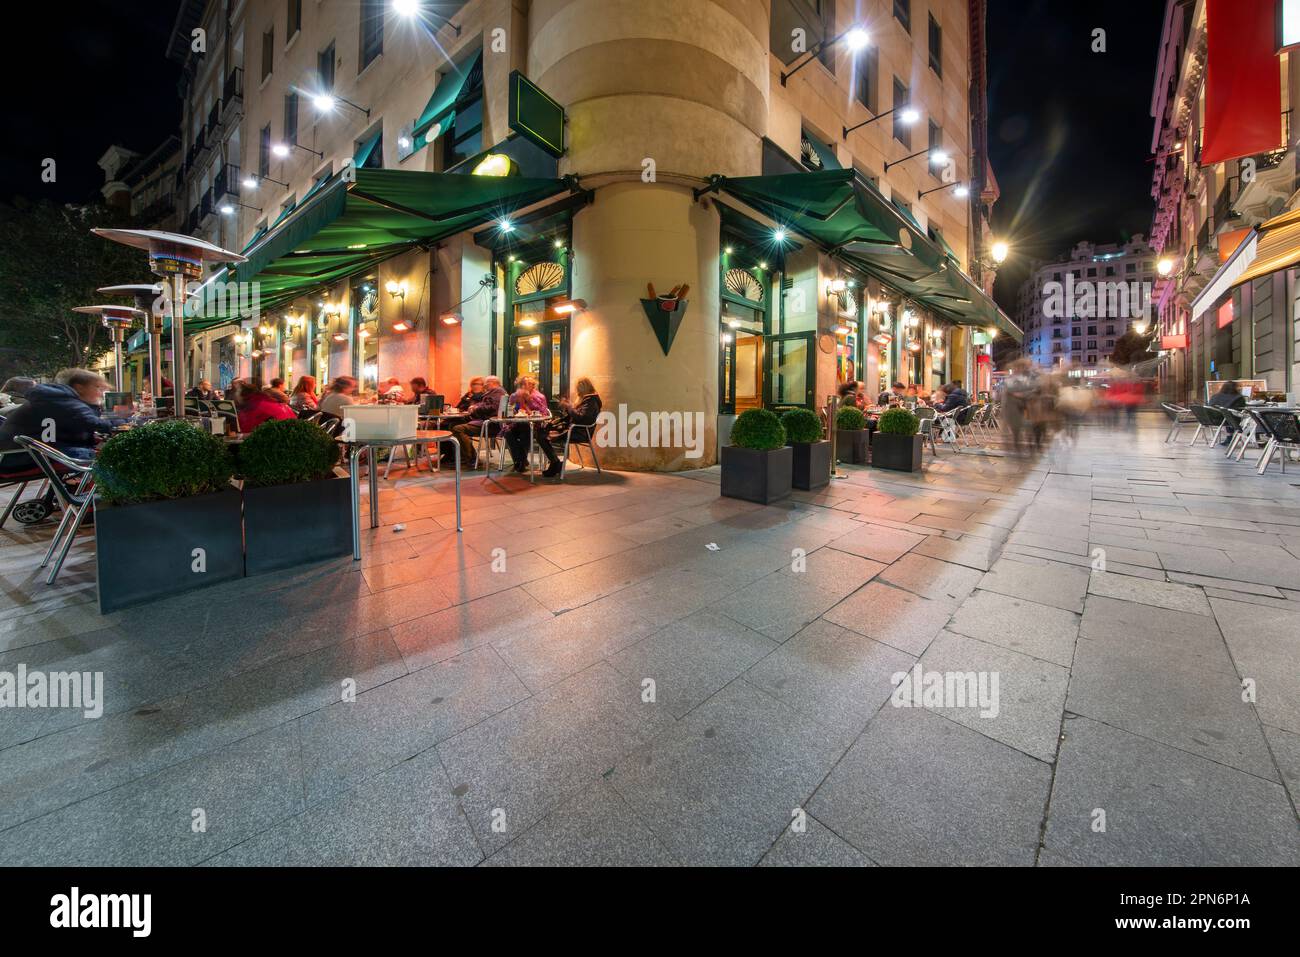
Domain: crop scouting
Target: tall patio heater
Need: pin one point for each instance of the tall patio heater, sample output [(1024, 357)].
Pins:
[(117, 320), (177, 259), (145, 295)]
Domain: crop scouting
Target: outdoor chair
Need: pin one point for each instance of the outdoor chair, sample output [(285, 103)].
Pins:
[(33, 510), (1178, 417), (76, 503), (926, 431), (963, 418), (1209, 421), (582, 436), (1283, 436), (1250, 434), (945, 426), (1235, 422)]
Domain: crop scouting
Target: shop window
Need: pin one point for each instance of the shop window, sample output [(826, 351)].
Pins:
[(537, 335), (742, 328), (365, 325)]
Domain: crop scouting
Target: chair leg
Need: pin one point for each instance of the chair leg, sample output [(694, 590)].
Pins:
[(12, 502), (1266, 459), (58, 535), (1196, 436), (80, 516)]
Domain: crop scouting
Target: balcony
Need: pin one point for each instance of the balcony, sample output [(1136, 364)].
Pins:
[(205, 207), (226, 184), (1272, 184)]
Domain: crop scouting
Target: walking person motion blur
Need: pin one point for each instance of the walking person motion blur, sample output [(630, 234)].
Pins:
[(1019, 390), (1074, 403)]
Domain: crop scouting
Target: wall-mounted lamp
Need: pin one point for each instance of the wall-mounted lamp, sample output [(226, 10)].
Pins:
[(340, 337), (855, 38), (569, 307), (450, 319), (282, 150), (906, 115), (325, 103), (252, 182), (396, 289)]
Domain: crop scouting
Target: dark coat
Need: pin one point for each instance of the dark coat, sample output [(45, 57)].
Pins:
[(487, 407), (75, 422), (956, 399), (1223, 401)]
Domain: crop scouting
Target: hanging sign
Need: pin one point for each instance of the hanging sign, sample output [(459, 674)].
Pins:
[(535, 115)]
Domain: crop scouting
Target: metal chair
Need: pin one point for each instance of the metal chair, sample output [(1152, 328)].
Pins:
[(1283, 436), (945, 424), (962, 419), (588, 441), (1178, 417), (1210, 421), (926, 430), (76, 504)]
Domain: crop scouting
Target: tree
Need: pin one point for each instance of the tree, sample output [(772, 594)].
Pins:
[(50, 262), (1132, 348)]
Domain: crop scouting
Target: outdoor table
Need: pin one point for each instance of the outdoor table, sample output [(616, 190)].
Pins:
[(435, 420), (530, 420), (420, 439)]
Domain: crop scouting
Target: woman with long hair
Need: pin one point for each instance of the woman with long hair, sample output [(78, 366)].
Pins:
[(304, 394)]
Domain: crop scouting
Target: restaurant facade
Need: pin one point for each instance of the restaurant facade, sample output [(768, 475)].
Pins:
[(741, 204)]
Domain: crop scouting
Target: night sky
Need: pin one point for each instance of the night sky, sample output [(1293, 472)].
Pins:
[(78, 77), (1069, 131)]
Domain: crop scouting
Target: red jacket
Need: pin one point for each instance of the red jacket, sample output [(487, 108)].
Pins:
[(262, 408)]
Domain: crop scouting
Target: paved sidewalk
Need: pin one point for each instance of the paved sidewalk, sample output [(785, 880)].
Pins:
[(661, 676)]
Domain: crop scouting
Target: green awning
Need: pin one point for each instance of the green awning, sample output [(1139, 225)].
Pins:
[(848, 217), (441, 108), (348, 227), (359, 159), (825, 155)]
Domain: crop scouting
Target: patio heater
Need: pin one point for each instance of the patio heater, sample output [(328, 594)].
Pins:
[(117, 320), (145, 294), (177, 259)]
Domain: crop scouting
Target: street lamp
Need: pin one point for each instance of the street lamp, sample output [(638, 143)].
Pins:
[(855, 38), (178, 258), (410, 9), (228, 209), (1165, 266), (906, 115), (961, 192), (252, 182), (1000, 251), (937, 157), (282, 150), (325, 103)]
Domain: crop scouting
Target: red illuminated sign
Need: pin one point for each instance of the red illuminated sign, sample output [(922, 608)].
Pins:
[(1173, 342)]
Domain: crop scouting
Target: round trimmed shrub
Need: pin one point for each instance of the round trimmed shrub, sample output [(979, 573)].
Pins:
[(898, 422), (850, 419), (287, 451), (161, 460), (802, 426), (757, 429)]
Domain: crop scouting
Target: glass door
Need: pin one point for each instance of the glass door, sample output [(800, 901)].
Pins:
[(790, 370), (543, 353)]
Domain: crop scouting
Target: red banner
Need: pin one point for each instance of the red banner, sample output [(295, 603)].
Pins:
[(1243, 85), (1173, 342)]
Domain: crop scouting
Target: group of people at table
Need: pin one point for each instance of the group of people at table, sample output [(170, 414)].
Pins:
[(946, 398), (73, 403)]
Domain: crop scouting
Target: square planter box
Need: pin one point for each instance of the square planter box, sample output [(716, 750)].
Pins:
[(812, 464), (853, 446), (902, 453), (756, 476), (287, 525), (146, 552)]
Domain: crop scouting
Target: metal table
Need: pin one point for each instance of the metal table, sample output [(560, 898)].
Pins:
[(530, 421), (420, 439)]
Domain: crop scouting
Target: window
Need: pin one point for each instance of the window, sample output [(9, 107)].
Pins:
[(294, 20), (1110, 330), (465, 138), (866, 77), (291, 118), (264, 151), (325, 68), (1110, 270), (372, 32), (1130, 267), (903, 13), (936, 46), (375, 158), (902, 132), (826, 10), (268, 52), (1092, 271), (1092, 330), (1092, 344), (936, 143), (1076, 330)]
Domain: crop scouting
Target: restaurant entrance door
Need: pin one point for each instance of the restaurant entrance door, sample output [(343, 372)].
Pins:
[(542, 352)]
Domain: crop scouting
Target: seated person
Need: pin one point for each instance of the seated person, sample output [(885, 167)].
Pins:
[(341, 393), (202, 391), (1228, 397), (418, 388), (14, 393), (486, 407), (848, 393), (526, 399), (63, 413), (255, 405), (894, 395), (276, 391), (584, 412), (304, 395), (474, 394), (391, 391)]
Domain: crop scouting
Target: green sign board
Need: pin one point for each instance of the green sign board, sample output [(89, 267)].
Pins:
[(981, 338), (535, 115)]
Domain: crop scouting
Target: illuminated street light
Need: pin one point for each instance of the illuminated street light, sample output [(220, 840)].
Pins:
[(1165, 266), (1000, 251), (906, 115), (855, 38)]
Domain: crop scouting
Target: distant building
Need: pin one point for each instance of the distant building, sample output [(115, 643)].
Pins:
[(143, 186), (1073, 310)]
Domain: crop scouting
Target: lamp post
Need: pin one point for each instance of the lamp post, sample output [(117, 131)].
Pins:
[(961, 192), (906, 114), (175, 258), (936, 156), (116, 319), (856, 38), (145, 295), (325, 103)]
